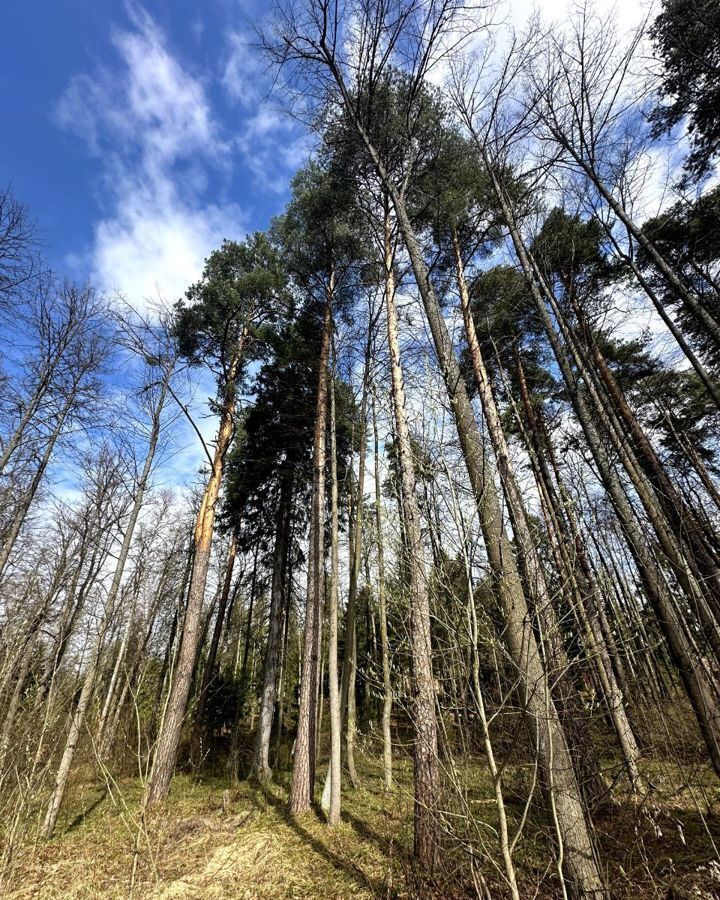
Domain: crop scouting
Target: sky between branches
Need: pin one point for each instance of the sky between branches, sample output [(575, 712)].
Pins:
[(142, 135)]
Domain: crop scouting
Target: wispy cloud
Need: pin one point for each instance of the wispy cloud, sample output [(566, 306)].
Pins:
[(149, 120), (272, 145)]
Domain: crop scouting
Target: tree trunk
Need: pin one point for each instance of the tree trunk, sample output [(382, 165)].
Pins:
[(349, 672), (275, 629), (169, 738), (382, 603), (78, 719), (242, 687), (681, 518), (303, 775), (697, 683), (589, 601), (628, 259), (333, 806), (21, 512), (209, 674), (288, 582), (578, 854), (426, 773), (76, 725), (682, 292)]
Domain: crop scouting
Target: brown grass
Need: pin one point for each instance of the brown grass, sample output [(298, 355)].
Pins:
[(208, 841)]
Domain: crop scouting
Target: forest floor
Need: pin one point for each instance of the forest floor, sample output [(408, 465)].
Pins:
[(209, 841)]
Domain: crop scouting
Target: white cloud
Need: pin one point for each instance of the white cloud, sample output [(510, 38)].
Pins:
[(150, 122), (243, 69), (272, 144), (146, 252), (273, 147), (627, 15)]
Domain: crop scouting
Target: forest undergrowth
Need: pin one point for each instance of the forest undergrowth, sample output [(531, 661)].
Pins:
[(215, 840)]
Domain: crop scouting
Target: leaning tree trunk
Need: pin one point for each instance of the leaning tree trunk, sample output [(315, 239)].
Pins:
[(20, 514), (169, 738), (557, 662), (683, 293), (130, 681), (578, 853), (76, 726), (114, 679), (628, 258), (589, 603), (14, 705), (682, 519), (43, 385), (698, 684), (686, 574)]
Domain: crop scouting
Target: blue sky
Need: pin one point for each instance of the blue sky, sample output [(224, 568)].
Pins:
[(141, 135)]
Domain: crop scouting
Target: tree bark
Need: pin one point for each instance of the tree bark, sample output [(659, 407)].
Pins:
[(382, 603), (262, 768), (303, 775), (349, 672), (578, 854), (697, 683), (556, 658), (169, 738), (333, 807), (209, 673), (426, 772), (78, 718)]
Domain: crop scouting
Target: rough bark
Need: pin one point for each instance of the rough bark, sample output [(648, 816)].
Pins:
[(303, 775), (334, 804), (426, 773), (382, 604), (169, 738), (262, 768)]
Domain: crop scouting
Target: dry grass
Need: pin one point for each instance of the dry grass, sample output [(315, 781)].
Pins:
[(211, 842), (207, 841)]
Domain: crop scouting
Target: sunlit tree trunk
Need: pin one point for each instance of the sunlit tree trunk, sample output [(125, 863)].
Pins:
[(589, 602), (698, 683), (169, 738), (275, 631), (567, 807), (349, 672), (426, 773), (382, 603), (334, 803), (303, 774)]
